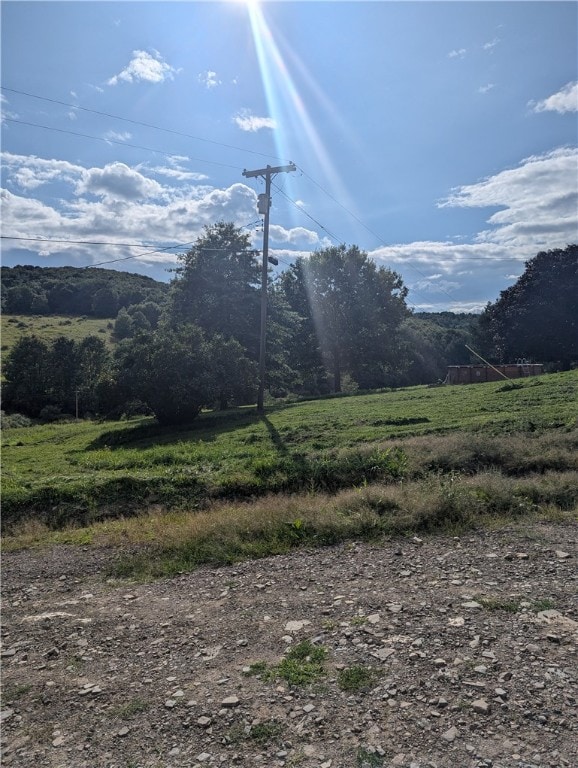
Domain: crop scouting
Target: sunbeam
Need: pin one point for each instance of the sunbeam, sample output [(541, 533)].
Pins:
[(285, 104)]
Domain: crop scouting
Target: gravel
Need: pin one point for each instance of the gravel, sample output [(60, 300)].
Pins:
[(470, 643)]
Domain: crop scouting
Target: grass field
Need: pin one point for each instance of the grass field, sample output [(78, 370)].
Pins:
[(49, 327), (234, 485)]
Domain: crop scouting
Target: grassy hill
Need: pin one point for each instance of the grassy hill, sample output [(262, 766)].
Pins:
[(49, 327), (310, 472)]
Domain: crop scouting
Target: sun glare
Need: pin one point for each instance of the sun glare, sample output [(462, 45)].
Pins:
[(285, 103)]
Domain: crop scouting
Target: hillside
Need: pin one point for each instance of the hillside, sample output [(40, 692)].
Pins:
[(48, 328), (80, 472), (81, 291)]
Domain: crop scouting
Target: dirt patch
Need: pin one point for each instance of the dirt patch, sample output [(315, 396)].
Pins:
[(453, 652)]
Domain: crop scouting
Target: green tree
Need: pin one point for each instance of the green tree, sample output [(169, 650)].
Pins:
[(217, 286), (537, 317), (62, 374), (179, 371), (105, 302), (26, 385), (302, 347), (92, 363), (355, 308), (123, 326)]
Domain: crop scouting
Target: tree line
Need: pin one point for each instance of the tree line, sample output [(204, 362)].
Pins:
[(337, 322)]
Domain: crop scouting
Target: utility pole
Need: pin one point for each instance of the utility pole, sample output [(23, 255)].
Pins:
[(264, 205)]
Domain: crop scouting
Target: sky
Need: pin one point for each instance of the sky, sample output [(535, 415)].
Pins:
[(439, 137)]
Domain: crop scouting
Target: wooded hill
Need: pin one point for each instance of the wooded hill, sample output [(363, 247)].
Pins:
[(93, 292)]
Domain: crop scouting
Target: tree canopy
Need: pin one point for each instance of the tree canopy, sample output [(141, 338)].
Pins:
[(537, 317), (351, 310)]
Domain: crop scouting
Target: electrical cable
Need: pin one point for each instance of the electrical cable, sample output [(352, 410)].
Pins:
[(137, 122), (115, 141)]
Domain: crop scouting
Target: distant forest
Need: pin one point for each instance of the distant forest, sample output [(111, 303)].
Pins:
[(336, 323), (92, 292)]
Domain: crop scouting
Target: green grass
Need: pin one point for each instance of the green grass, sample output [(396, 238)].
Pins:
[(235, 486), (302, 665), (49, 327), (82, 472), (357, 678), (131, 708)]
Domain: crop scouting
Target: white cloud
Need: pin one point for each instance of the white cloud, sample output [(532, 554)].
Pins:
[(179, 174), (294, 236), (248, 122), (457, 53), (113, 203), (489, 46), (117, 181), (30, 172), (117, 136), (143, 66), (538, 201), (209, 79), (565, 100), (486, 88)]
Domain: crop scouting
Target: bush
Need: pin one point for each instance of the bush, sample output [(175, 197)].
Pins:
[(15, 420)]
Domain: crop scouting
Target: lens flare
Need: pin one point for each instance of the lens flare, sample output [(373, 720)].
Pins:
[(285, 104)]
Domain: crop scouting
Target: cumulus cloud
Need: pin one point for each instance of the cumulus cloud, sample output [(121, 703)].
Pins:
[(537, 204), (117, 181), (113, 203), (251, 123), (294, 236), (457, 53), (564, 100), (147, 67), (30, 172), (538, 201), (209, 79)]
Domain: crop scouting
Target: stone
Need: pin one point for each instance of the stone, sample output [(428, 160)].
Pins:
[(451, 734), (230, 701), (124, 731), (295, 626), (561, 555), (481, 706)]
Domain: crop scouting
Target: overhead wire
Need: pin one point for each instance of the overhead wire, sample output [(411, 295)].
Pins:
[(115, 141), (198, 138), (137, 122)]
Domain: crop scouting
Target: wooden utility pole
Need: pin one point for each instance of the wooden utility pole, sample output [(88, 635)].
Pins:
[(264, 205)]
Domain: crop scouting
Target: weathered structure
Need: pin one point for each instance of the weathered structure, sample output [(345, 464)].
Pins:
[(473, 374)]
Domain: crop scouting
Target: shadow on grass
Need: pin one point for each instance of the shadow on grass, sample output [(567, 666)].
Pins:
[(204, 428)]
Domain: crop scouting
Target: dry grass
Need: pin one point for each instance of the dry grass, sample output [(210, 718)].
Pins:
[(229, 532)]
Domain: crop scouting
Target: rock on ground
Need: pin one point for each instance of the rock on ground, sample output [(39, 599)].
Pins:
[(463, 654)]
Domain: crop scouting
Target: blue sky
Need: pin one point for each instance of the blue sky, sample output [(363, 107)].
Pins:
[(440, 137)]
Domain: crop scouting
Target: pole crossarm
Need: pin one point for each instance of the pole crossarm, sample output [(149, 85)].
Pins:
[(268, 171)]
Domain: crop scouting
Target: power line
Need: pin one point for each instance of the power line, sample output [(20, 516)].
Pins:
[(113, 141), (136, 122), (77, 242)]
